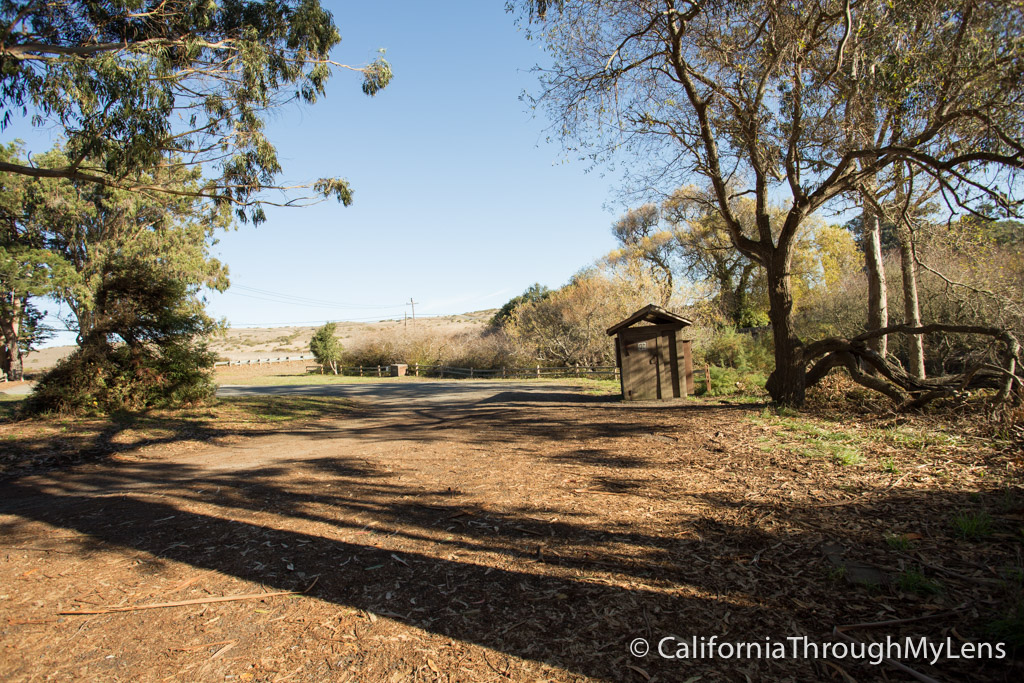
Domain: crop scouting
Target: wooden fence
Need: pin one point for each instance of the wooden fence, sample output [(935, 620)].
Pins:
[(535, 372), (442, 371), (262, 361)]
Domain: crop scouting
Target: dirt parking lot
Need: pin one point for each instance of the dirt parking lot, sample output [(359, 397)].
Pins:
[(489, 531)]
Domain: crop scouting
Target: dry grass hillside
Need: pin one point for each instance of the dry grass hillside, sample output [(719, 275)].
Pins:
[(250, 343)]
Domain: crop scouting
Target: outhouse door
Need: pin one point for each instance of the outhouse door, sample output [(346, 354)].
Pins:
[(644, 367)]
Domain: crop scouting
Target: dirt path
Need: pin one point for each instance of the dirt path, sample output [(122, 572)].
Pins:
[(448, 531)]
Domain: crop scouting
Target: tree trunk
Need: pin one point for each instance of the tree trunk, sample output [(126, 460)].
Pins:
[(911, 309), (10, 327), (786, 383), (86, 321), (878, 299)]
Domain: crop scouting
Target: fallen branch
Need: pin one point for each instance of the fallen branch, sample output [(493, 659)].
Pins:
[(197, 601)]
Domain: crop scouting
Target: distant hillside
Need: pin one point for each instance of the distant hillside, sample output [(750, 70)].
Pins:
[(249, 343), (244, 343)]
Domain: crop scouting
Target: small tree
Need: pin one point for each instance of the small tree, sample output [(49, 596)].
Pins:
[(326, 348)]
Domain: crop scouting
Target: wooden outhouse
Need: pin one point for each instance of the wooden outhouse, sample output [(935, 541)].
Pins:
[(650, 351)]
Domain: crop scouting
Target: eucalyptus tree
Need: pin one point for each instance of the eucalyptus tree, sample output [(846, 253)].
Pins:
[(803, 103), (140, 85), (28, 269)]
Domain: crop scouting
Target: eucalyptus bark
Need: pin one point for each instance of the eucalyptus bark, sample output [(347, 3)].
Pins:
[(911, 307), (878, 298)]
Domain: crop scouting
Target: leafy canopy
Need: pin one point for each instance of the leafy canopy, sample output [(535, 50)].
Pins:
[(138, 85)]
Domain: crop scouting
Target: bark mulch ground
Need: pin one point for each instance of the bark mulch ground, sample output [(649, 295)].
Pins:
[(522, 537)]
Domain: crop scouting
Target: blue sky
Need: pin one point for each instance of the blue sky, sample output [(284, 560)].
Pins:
[(460, 203)]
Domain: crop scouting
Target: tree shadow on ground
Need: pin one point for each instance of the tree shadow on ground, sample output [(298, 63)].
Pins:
[(552, 602), (43, 444), (39, 444)]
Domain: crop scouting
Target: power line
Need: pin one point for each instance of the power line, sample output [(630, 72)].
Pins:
[(256, 293), (375, 318)]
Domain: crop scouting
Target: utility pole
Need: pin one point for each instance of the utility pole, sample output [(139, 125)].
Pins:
[(413, 304)]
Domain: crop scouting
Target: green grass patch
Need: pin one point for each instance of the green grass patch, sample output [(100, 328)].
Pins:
[(913, 581), (975, 526), (809, 439), (599, 387), (228, 378), (730, 382), (844, 455), (9, 404), (1009, 629), (897, 542)]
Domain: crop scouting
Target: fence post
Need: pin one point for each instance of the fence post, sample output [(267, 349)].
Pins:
[(441, 371), (538, 372), (360, 370), (707, 379), (471, 373), (378, 371), (577, 369), (416, 369), (503, 372)]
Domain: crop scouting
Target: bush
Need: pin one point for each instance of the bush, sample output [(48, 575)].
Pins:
[(727, 381), (473, 349), (728, 348), (147, 349), (95, 380)]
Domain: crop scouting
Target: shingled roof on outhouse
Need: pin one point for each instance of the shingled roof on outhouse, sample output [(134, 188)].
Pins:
[(651, 313)]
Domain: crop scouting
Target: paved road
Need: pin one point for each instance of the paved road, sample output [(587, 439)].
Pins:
[(450, 394)]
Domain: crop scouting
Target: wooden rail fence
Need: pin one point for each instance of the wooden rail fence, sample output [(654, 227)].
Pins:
[(535, 372), (262, 361), (442, 371)]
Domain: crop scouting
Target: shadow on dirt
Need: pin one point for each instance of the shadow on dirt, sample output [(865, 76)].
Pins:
[(730, 579), (563, 591)]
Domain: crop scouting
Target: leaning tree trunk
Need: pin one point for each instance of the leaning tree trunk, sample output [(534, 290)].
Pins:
[(878, 299), (911, 308), (786, 383)]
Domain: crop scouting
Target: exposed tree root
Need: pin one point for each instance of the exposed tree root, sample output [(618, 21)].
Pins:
[(875, 372)]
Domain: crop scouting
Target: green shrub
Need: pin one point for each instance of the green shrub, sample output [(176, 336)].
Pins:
[(146, 349), (96, 380), (736, 350), (727, 381)]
